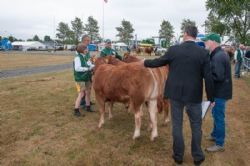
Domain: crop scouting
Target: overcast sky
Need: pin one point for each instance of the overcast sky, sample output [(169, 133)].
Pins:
[(25, 18)]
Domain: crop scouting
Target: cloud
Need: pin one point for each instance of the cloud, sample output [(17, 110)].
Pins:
[(25, 18)]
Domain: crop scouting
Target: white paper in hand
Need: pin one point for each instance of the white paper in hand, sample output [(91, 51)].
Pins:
[(205, 106)]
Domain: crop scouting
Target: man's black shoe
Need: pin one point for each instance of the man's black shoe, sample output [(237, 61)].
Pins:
[(178, 162), (77, 112), (198, 163)]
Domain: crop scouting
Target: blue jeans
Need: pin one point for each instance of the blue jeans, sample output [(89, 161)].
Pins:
[(218, 114), (237, 69)]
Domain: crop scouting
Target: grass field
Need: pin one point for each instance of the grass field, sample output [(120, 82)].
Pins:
[(14, 60), (37, 128)]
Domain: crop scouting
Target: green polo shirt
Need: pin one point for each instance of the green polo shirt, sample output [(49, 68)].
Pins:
[(109, 51)]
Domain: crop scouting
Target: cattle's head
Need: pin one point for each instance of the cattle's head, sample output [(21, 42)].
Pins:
[(107, 60), (125, 55), (113, 61), (93, 59), (128, 58)]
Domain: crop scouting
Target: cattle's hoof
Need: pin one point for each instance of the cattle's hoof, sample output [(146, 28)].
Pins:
[(100, 125), (136, 135), (110, 117), (153, 138)]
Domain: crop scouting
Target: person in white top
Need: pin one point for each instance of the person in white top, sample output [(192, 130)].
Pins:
[(82, 73), (238, 57)]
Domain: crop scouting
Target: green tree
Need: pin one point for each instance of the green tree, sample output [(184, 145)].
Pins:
[(166, 32), (11, 38), (77, 28), (71, 39), (125, 31), (47, 38), (36, 38), (0, 38), (232, 13), (92, 28), (63, 32), (186, 22)]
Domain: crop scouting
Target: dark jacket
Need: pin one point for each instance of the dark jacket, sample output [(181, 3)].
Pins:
[(247, 54), (188, 65), (221, 71)]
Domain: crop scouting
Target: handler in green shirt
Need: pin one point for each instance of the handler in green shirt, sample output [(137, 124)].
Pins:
[(109, 51)]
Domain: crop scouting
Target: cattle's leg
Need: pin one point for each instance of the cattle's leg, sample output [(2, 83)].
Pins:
[(166, 111), (153, 118), (137, 123), (101, 104), (110, 108)]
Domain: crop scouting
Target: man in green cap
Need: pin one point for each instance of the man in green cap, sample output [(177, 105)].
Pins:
[(221, 71), (109, 51)]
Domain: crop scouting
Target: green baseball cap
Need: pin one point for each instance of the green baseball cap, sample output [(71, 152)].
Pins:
[(108, 41), (212, 36)]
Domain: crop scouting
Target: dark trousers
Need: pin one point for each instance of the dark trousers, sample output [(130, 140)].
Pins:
[(194, 113)]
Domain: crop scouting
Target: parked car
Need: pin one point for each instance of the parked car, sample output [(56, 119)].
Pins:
[(160, 51)]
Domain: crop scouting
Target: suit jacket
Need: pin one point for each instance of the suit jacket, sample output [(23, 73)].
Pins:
[(188, 65)]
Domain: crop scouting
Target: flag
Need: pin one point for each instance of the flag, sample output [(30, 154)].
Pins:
[(106, 1)]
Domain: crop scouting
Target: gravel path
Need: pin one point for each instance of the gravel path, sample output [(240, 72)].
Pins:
[(33, 70)]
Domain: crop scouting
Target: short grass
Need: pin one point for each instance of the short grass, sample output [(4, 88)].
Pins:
[(14, 60), (37, 128)]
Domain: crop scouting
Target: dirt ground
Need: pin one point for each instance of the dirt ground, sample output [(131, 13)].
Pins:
[(38, 128)]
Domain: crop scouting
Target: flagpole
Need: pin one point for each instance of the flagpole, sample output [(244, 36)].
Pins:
[(103, 20)]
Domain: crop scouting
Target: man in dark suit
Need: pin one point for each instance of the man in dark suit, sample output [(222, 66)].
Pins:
[(188, 65)]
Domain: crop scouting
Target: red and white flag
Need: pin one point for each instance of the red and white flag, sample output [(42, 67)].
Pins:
[(106, 1)]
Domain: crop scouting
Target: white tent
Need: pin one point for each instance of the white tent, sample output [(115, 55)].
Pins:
[(120, 46), (28, 45)]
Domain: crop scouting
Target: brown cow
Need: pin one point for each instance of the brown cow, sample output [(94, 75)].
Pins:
[(112, 61), (138, 50), (162, 103), (149, 50), (127, 83)]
